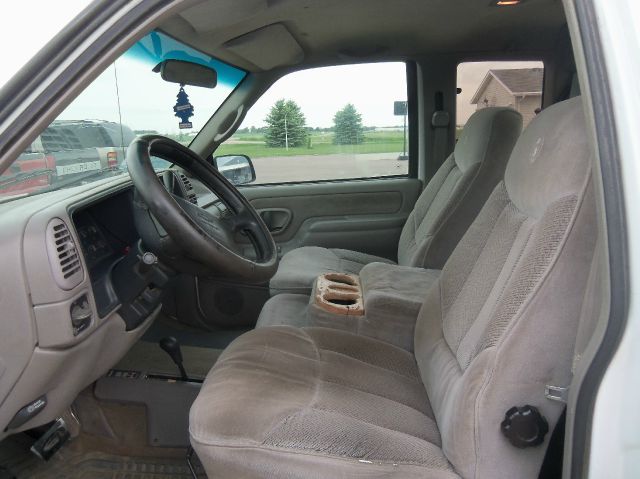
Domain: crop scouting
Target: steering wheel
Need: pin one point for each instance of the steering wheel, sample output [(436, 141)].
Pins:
[(190, 238)]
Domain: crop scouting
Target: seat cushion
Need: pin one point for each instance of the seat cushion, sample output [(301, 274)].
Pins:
[(285, 310), (299, 268), (315, 402)]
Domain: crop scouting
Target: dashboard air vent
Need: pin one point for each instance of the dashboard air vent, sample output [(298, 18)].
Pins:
[(63, 255), (190, 194)]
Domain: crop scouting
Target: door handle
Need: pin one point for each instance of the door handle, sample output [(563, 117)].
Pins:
[(276, 219)]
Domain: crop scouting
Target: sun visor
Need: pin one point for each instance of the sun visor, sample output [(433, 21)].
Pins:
[(209, 16), (267, 48)]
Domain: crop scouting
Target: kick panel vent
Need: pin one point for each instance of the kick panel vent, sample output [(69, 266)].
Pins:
[(63, 255)]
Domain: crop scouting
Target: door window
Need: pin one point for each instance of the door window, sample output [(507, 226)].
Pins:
[(331, 123)]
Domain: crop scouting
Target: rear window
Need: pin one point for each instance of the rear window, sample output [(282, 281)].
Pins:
[(513, 84)]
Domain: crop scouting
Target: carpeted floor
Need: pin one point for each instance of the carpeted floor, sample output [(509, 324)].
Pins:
[(71, 462), (148, 357), (200, 349)]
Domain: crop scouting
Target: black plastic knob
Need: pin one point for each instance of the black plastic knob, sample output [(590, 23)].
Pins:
[(172, 347), (524, 426)]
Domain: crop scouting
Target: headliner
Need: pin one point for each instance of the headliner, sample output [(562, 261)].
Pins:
[(314, 32)]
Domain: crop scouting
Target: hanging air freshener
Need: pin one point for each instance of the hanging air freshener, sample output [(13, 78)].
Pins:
[(183, 109)]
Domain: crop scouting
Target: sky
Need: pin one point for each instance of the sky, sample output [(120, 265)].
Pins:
[(142, 99), (320, 92), (31, 24)]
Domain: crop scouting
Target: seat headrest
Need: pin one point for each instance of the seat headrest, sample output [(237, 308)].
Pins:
[(482, 129), (552, 158)]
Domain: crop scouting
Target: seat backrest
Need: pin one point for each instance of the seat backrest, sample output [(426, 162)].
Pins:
[(500, 322), (455, 194)]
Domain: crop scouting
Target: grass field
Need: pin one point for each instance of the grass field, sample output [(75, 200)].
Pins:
[(253, 145)]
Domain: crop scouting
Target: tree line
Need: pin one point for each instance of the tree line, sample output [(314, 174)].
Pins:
[(287, 126)]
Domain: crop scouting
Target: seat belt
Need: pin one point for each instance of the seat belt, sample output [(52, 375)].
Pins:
[(552, 463), (591, 312), (440, 125)]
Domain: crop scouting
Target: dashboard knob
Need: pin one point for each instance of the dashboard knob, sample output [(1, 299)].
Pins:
[(149, 258)]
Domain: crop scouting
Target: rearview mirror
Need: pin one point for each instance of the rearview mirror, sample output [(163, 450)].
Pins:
[(238, 169), (187, 73)]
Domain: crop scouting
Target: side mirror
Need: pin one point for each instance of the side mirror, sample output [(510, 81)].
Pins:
[(238, 169)]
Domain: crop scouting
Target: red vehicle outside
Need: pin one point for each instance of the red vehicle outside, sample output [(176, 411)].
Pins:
[(32, 171)]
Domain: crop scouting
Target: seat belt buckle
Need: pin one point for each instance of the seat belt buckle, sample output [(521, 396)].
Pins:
[(556, 393)]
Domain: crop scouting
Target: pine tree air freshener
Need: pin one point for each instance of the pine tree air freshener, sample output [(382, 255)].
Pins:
[(183, 109)]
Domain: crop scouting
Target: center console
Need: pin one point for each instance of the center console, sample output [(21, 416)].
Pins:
[(382, 302)]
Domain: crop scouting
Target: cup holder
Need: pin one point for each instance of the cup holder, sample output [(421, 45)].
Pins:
[(342, 302), (341, 279), (340, 288), (339, 293)]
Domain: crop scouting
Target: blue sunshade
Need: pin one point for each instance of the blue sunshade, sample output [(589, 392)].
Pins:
[(157, 47)]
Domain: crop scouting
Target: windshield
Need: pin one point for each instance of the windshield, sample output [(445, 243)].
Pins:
[(88, 140)]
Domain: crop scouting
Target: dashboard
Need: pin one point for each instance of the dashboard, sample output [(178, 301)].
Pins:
[(112, 253), (107, 234), (74, 293), (105, 230)]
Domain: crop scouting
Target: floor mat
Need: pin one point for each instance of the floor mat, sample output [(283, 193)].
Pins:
[(104, 466), (16, 458)]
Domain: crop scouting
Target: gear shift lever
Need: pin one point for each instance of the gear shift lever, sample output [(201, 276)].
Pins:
[(172, 348)]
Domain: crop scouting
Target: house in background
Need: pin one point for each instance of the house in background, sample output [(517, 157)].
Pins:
[(520, 89)]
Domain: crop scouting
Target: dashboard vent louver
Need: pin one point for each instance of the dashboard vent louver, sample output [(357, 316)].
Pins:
[(63, 255), (188, 188)]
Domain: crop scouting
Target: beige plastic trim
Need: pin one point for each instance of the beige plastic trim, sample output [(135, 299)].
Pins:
[(39, 353), (61, 374)]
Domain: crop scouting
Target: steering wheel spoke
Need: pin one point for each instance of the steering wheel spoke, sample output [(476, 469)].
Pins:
[(209, 223), (241, 220)]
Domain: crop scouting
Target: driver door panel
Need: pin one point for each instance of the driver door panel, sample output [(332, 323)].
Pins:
[(363, 215)]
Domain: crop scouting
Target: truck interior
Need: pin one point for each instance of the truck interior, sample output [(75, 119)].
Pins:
[(431, 312)]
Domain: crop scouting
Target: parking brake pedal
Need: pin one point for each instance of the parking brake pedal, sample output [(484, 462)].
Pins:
[(51, 441)]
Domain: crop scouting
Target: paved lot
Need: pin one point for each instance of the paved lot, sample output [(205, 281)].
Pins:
[(327, 167)]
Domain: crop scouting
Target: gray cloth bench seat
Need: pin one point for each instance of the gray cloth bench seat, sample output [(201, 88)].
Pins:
[(441, 215), (497, 325)]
